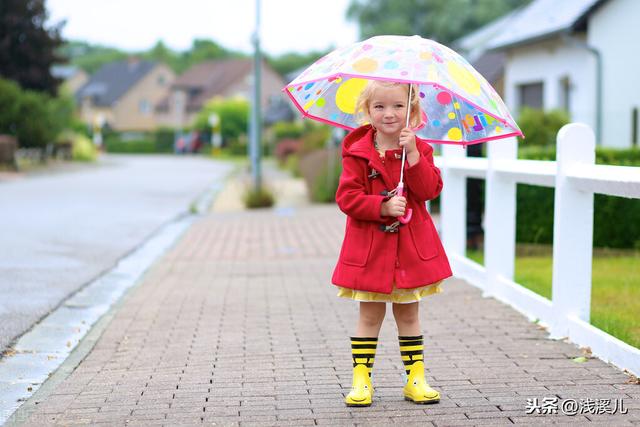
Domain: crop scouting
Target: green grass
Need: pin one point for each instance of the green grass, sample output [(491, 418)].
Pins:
[(615, 291)]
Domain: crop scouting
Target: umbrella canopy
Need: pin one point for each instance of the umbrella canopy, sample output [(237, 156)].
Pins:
[(459, 106)]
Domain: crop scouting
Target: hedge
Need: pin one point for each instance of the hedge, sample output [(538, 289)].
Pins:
[(158, 141), (614, 224), (114, 145)]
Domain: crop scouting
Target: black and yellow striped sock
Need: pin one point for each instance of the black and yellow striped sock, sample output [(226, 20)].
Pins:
[(411, 350), (363, 351)]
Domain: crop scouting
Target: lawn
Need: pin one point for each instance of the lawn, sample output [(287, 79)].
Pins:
[(615, 292)]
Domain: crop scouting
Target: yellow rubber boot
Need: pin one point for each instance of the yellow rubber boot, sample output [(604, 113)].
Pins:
[(361, 392), (416, 389), (363, 353)]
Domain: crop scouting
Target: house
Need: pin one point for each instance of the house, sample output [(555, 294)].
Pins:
[(226, 78), (473, 47), (73, 78), (577, 55), (123, 94)]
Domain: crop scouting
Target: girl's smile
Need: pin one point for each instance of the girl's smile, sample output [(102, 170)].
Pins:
[(388, 111)]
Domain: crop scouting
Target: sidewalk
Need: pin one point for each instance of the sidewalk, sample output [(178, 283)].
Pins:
[(238, 325)]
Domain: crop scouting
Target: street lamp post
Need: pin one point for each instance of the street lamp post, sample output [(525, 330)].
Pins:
[(256, 117), (216, 138)]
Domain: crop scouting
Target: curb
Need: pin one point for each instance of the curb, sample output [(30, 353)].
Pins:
[(51, 350)]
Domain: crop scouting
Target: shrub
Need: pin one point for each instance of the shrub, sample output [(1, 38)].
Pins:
[(115, 145), (315, 136), (286, 148), (164, 138), (258, 198), (612, 225), (83, 149), (287, 130), (34, 118), (292, 164), (326, 183), (541, 127), (234, 117)]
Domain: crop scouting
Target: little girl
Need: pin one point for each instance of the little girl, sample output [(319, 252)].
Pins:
[(381, 260)]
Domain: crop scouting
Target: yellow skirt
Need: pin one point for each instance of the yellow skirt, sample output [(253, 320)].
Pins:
[(398, 296)]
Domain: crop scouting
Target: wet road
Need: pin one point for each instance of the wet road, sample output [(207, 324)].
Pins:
[(60, 230)]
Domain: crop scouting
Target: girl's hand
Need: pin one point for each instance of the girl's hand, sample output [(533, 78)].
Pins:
[(395, 207), (408, 140)]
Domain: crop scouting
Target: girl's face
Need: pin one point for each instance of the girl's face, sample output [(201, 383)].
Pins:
[(388, 109)]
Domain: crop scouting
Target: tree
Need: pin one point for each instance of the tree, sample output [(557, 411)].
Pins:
[(288, 62), (27, 48), (161, 53), (90, 57), (233, 114), (204, 50), (440, 20)]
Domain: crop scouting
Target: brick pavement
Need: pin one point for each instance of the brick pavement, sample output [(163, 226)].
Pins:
[(238, 325)]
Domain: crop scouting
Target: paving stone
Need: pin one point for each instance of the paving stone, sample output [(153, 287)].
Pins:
[(238, 325)]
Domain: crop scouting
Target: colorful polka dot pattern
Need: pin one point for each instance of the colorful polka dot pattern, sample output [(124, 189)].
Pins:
[(459, 105)]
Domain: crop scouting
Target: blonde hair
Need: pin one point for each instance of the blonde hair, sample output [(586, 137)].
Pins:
[(364, 101)]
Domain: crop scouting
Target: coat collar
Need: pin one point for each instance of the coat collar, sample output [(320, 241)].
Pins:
[(359, 143)]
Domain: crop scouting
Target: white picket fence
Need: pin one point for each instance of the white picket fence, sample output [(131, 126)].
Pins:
[(576, 178)]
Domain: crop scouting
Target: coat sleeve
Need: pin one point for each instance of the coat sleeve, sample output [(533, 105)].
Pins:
[(423, 178), (352, 197)]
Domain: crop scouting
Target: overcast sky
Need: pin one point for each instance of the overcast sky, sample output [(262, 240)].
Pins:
[(286, 25)]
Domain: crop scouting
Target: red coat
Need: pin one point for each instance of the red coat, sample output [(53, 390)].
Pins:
[(371, 259)]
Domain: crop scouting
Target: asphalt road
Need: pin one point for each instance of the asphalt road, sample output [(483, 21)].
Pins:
[(61, 229)]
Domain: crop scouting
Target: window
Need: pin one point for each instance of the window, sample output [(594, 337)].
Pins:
[(144, 106), (530, 95), (565, 94), (634, 126)]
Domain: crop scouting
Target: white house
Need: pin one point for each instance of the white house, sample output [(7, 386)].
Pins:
[(579, 55)]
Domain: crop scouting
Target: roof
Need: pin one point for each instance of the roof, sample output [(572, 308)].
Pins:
[(474, 44), (209, 79), (490, 65), (113, 80), (214, 74), (542, 19)]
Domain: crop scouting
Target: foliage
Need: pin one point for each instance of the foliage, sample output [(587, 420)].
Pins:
[(27, 48), (83, 149), (114, 144), (541, 127), (604, 155), (234, 118), (292, 61), (91, 57), (612, 225), (326, 184), (441, 20), (534, 215), (161, 53), (164, 138), (35, 118), (292, 164), (315, 136), (285, 130), (10, 95), (616, 156), (159, 141), (203, 50), (258, 198)]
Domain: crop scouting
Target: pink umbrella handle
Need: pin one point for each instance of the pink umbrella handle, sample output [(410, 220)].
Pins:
[(407, 216)]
